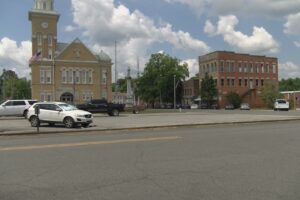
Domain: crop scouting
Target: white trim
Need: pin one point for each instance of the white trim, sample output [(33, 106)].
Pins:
[(290, 92)]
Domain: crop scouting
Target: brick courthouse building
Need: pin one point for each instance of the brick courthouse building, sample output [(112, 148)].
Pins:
[(68, 72), (241, 73)]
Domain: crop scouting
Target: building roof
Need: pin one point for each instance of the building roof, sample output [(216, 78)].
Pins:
[(102, 56), (61, 46)]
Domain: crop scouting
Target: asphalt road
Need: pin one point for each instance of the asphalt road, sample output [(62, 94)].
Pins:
[(224, 162)]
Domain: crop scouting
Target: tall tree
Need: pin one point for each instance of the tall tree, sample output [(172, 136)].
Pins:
[(208, 90), (122, 85), (234, 99), (289, 84), (157, 82), (12, 87), (269, 94)]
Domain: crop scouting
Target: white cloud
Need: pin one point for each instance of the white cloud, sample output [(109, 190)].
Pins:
[(193, 66), (70, 28), (289, 70), (209, 28), (292, 26), (297, 44), (15, 56), (133, 31), (278, 8), (259, 42)]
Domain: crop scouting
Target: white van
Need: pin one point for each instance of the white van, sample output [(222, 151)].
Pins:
[(281, 104)]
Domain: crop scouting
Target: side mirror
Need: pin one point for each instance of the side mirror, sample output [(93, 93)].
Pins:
[(58, 109)]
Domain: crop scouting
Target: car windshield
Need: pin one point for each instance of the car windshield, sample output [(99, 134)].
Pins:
[(67, 107), (281, 101)]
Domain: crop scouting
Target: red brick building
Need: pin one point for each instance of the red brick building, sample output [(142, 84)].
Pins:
[(241, 73), (190, 90), (293, 97)]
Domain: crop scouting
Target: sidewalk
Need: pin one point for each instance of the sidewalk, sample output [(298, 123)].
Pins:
[(19, 126)]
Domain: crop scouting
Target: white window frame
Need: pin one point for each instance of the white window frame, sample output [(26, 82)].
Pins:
[(39, 38), (50, 39), (50, 54), (274, 66), (90, 77), (45, 75), (104, 76), (77, 76), (83, 76)]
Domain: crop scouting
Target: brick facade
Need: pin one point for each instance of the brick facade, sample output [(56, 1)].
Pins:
[(190, 90), (293, 97), (241, 73)]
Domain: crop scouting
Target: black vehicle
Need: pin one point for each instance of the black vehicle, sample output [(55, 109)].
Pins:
[(102, 106)]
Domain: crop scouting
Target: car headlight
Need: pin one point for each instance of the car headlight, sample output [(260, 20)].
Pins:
[(79, 115)]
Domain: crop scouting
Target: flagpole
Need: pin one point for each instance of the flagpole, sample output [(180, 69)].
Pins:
[(53, 65)]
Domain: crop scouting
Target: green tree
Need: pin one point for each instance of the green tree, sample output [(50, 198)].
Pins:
[(122, 85), (157, 82), (269, 94), (289, 84), (208, 90), (12, 87), (234, 99)]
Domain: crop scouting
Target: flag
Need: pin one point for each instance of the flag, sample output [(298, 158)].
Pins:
[(35, 57)]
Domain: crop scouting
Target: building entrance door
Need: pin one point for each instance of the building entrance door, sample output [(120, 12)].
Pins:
[(67, 97)]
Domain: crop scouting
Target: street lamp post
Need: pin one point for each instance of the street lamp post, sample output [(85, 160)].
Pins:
[(174, 91), (74, 98), (175, 86)]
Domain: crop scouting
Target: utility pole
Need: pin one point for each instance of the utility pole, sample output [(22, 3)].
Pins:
[(74, 97), (116, 69), (174, 92)]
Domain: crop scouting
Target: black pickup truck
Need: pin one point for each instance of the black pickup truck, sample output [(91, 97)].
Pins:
[(102, 106)]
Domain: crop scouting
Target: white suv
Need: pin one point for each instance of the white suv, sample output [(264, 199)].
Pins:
[(281, 104), (58, 112), (15, 107)]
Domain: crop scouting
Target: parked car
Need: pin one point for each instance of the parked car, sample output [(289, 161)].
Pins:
[(58, 112), (245, 106), (185, 106), (102, 106), (229, 107), (194, 106), (204, 106), (281, 104), (16, 107)]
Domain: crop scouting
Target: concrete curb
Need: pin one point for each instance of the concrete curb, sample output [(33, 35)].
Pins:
[(66, 131)]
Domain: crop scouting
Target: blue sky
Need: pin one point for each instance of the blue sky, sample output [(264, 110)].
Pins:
[(181, 28)]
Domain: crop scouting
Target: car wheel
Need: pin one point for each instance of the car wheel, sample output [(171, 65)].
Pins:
[(85, 125), (69, 122), (115, 112), (25, 113), (34, 121)]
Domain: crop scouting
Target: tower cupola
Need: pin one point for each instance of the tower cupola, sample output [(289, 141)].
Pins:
[(44, 5)]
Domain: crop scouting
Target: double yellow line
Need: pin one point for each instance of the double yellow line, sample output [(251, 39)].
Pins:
[(79, 144)]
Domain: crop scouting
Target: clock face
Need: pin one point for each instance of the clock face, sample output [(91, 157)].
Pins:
[(44, 24)]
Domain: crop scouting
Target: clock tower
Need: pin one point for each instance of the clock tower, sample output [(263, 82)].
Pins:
[(44, 20)]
